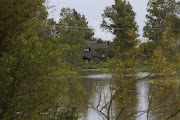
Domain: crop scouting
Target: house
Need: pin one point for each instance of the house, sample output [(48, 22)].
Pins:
[(90, 52)]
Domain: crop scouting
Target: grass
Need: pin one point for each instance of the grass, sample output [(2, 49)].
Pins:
[(141, 66), (104, 67), (94, 67), (165, 79), (96, 70)]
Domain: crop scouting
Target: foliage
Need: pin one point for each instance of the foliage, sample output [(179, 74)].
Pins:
[(70, 18), (32, 72), (69, 105), (64, 112), (52, 27), (34, 64), (122, 87), (103, 54), (14, 21), (101, 41), (163, 99), (73, 35), (98, 40), (146, 49), (161, 61), (162, 15), (122, 24), (94, 65)]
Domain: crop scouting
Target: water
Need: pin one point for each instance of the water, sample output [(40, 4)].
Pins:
[(138, 102), (142, 96)]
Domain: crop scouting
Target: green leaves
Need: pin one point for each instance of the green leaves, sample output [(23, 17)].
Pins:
[(64, 112), (119, 19), (74, 34), (161, 17), (31, 69)]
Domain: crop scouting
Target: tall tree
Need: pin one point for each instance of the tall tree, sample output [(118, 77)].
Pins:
[(12, 20), (70, 18), (163, 15), (30, 61), (119, 19), (74, 32)]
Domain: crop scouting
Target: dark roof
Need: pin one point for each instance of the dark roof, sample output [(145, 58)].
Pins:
[(101, 45), (88, 54), (92, 45)]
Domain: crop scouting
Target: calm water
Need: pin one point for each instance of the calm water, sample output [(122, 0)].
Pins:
[(135, 102)]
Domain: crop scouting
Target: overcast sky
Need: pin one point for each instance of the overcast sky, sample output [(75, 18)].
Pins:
[(93, 10)]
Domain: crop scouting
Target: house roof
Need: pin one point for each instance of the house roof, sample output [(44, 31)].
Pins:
[(101, 45), (92, 45), (88, 54)]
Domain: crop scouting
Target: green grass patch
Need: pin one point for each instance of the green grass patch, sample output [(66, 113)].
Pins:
[(96, 70), (165, 79), (94, 67), (143, 65)]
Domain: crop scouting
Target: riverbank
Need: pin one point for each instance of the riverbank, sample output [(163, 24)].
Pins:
[(104, 67), (94, 67)]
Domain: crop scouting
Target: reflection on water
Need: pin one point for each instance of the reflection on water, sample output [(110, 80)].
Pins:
[(97, 86), (143, 99), (142, 96), (98, 76), (95, 99)]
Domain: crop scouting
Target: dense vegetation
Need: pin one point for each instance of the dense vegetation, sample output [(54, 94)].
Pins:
[(33, 74), (38, 56)]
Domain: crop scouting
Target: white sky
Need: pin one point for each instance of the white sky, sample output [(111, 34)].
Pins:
[(93, 9)]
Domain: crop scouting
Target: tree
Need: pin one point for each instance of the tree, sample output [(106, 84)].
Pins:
[(51, 23), (147, 48), (74, 32), (12, 21), (162, 28), (31, 66), (98, 40), (122, 24), (125, 75), (162, 16), (23, 57), (70, 18)]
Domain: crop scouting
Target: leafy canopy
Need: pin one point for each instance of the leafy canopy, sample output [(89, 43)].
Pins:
[(119, 19), (75, 33), (32, 74), (163, 15)]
